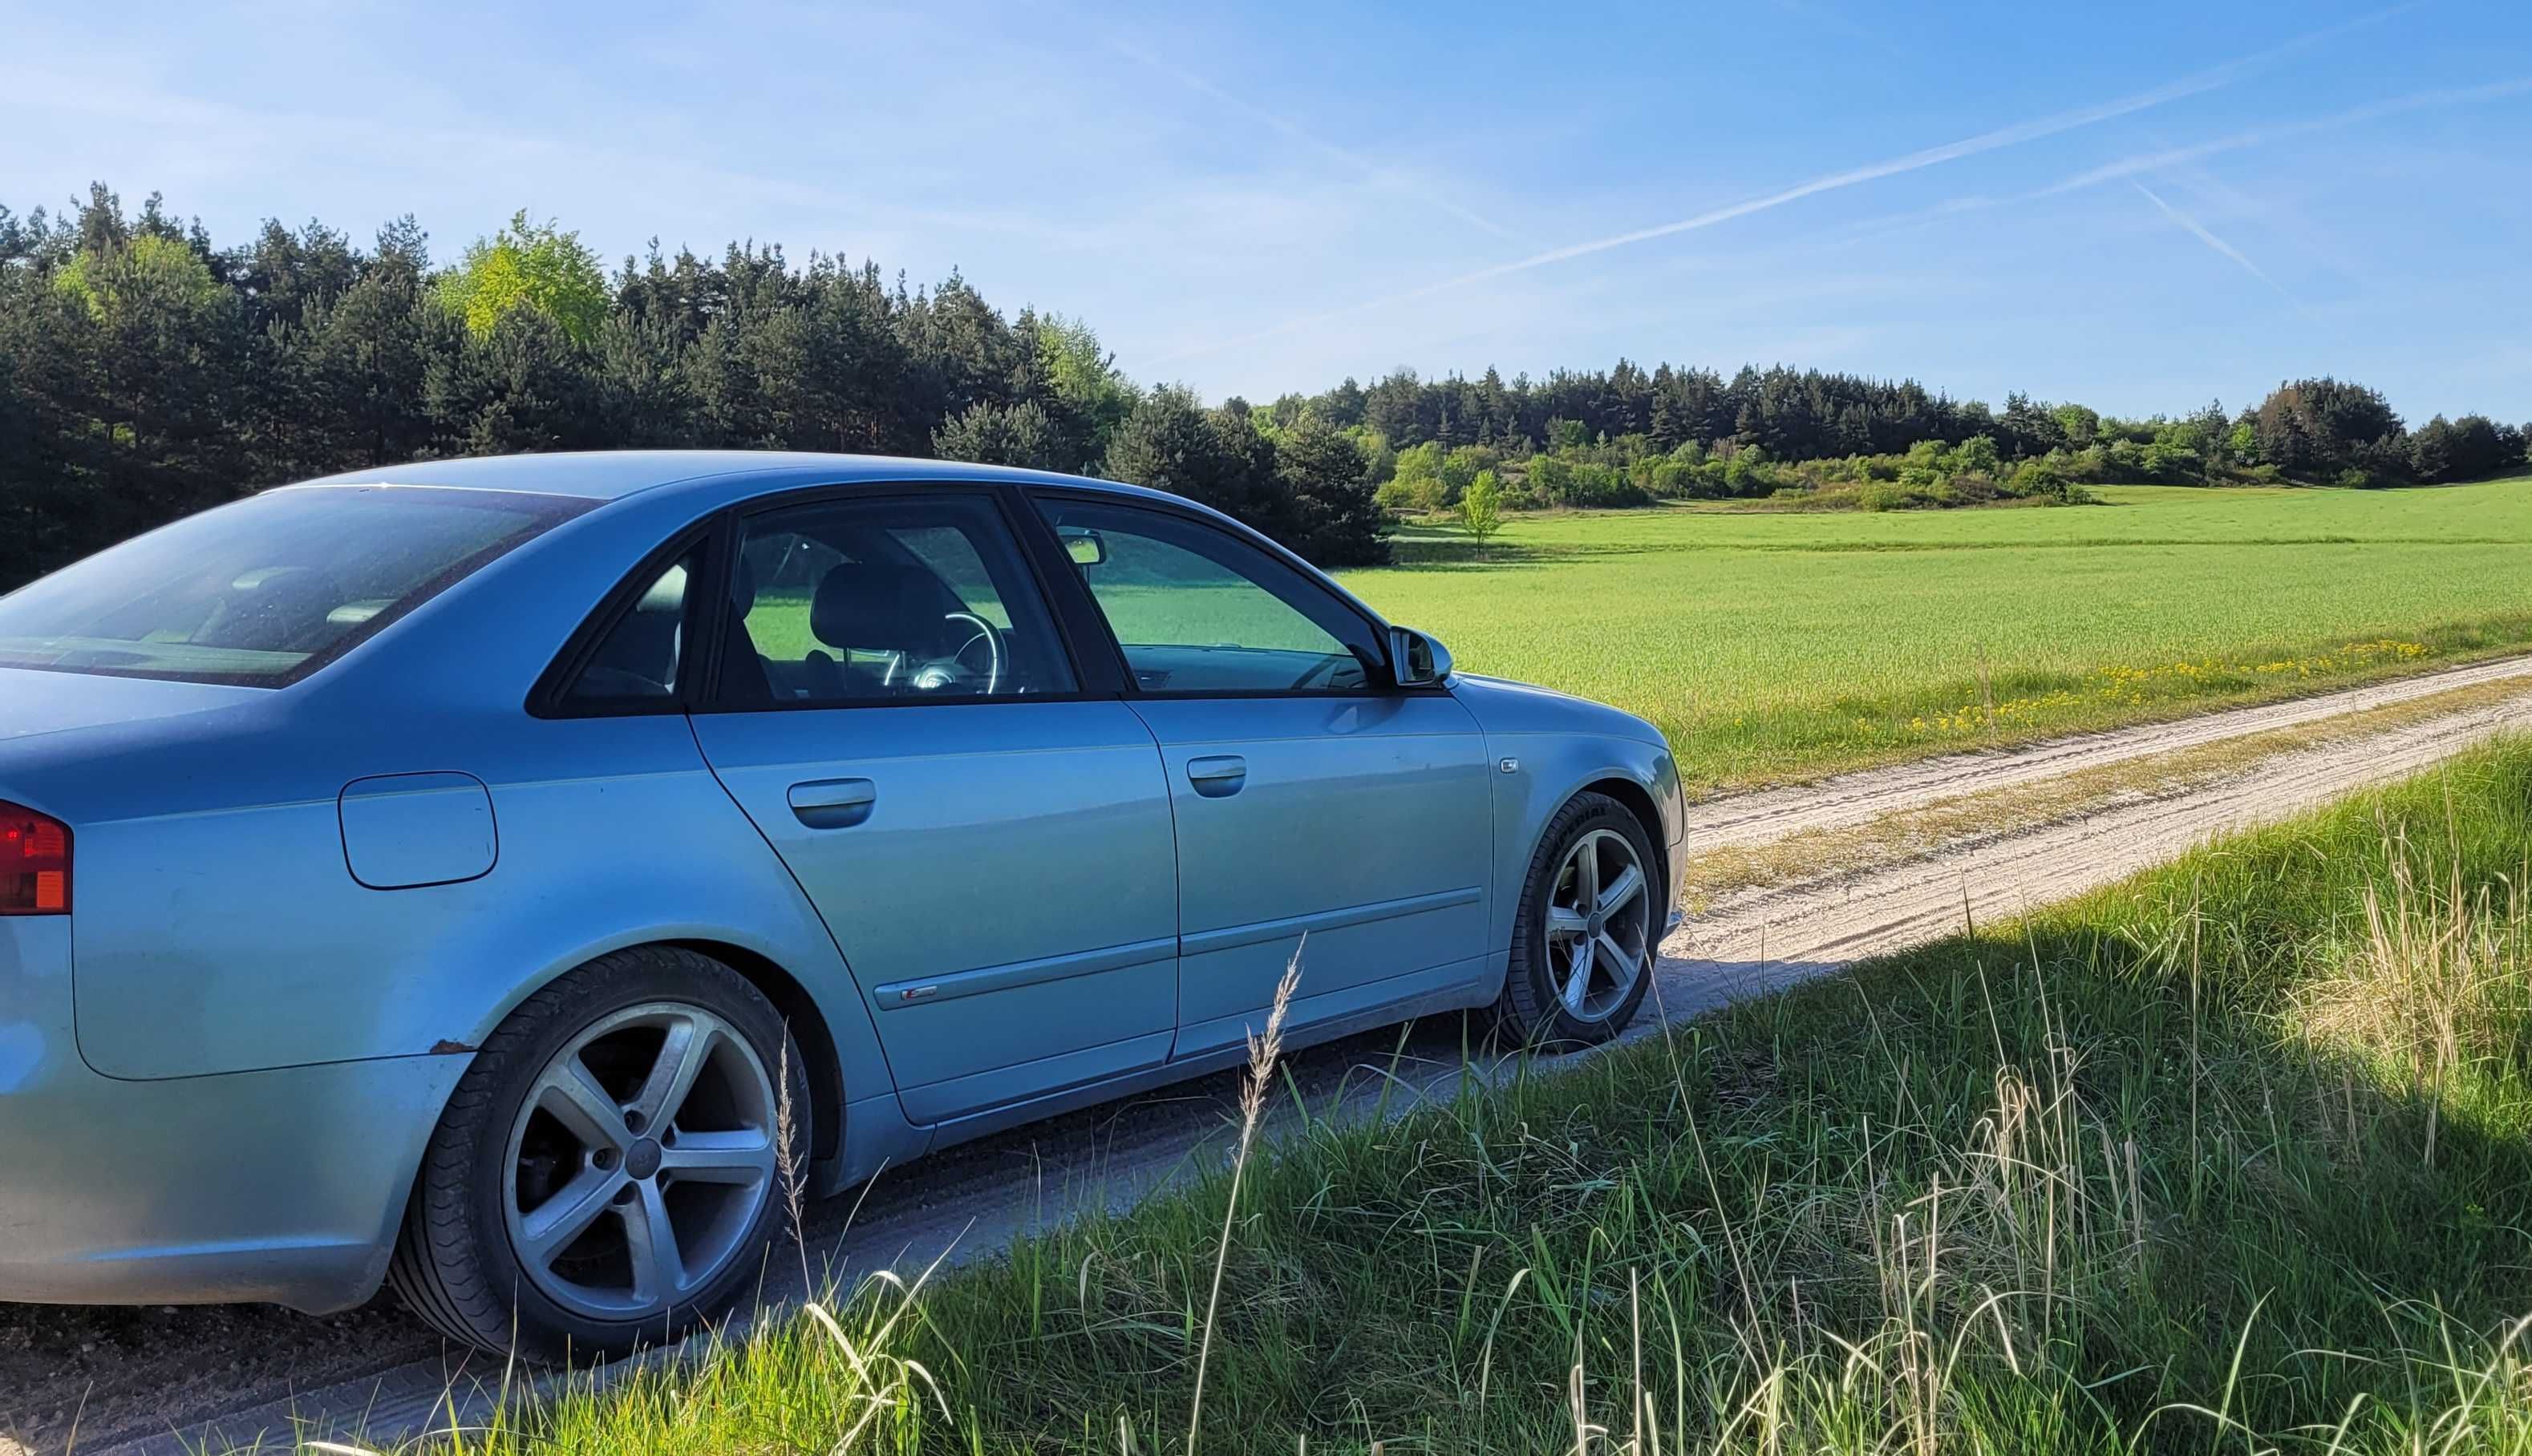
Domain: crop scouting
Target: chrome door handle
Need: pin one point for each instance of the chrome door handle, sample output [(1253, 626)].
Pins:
[(1217, 777), (835, 803)]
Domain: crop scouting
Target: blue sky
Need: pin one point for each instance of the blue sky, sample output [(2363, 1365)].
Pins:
[(2139, 205)]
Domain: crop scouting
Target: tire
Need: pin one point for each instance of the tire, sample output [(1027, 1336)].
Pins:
[(550, 1116), (1537, 1008)]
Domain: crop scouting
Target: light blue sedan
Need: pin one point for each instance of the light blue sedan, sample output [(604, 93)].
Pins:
[(466, 874)]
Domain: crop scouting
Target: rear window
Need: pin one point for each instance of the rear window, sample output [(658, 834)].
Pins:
[(266, 590)]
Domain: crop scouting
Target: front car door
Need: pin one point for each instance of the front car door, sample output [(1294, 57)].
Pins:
[(1312, 796), (989, 842)]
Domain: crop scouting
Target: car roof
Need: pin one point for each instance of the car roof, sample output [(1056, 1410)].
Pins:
[(720, 478), (612, 475)]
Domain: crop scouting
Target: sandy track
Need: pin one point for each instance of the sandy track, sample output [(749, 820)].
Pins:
[(179, 1379), (1850, 799)]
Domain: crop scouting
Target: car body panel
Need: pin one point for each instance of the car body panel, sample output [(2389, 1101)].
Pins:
[(236, 1111), (285, 1185), (1010, 912), (1359, 819), (1548, 747)]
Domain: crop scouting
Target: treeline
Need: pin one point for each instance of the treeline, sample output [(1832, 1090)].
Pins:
[(146, 371), (1632, 435)]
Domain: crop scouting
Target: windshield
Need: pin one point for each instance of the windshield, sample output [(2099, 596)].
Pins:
[(265, 591)]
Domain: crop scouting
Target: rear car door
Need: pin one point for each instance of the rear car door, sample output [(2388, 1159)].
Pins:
[(990, 843), (1310, 795)]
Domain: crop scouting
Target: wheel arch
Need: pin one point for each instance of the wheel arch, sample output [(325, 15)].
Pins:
[(1639, 802), (822, 1065), (1553, 770)]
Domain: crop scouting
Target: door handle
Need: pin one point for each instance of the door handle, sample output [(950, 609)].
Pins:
[(1217, 777), (835, 803)]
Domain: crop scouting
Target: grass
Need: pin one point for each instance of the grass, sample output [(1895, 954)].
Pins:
[(1778, 647), (2232, 1157)]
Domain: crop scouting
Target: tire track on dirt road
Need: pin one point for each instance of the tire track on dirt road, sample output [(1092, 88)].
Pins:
[(223, 1378), (1853, 798)]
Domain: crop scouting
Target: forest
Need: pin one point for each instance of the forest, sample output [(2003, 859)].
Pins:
[(148, 371)]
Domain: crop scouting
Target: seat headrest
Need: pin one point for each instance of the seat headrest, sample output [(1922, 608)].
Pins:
[(882, 606)]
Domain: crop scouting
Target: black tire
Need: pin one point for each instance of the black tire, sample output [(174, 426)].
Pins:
[(1530, 1011), (454, 1263)]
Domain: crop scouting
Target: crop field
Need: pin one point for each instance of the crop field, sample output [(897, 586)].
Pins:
[(1773, 647)]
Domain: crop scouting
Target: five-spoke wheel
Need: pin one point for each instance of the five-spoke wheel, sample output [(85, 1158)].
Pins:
[(1600, 920), (607, 1170), (1587, 929), (642, 1158)]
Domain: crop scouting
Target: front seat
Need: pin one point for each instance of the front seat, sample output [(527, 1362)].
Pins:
[(899, 613)]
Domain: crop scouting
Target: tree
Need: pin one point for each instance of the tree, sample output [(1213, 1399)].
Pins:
[(1083, 381), (1171, 442), (1019, 435), (2319, 429), (528, 265), (1482, 506), (1331, 516)]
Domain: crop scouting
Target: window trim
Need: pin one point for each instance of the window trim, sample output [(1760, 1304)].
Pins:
[(1379, 680), (1090, 678)]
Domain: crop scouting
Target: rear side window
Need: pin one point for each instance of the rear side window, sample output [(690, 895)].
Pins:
[(637, 662), (265, 591), (891, 600)]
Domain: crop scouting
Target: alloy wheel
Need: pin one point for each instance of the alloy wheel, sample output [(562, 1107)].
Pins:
[(1599, 925), (642, 1156)]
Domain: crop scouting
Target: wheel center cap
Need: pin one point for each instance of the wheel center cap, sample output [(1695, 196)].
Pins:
[(1597, 923), (642, 1159)]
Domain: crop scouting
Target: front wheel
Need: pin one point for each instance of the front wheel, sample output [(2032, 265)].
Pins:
[(1584, 945), (609, 1167)]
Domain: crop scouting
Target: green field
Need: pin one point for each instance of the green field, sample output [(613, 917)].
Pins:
[(1773, 647)]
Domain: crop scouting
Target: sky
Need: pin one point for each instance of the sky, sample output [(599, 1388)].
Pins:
[(2142, 206)]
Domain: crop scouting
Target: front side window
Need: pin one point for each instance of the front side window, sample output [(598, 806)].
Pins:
[(267, 589), (1196, 610), (898, 600)]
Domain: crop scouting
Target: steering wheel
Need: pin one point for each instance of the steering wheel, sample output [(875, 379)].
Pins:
[(991, 637)]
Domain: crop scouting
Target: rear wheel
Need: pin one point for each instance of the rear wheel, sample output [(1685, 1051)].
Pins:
[(610, 1168), (1583, 944)]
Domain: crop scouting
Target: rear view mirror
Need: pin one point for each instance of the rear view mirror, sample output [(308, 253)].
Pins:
[(1085, 546)]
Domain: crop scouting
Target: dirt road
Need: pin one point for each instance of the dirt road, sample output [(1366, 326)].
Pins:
[(185, 1379)]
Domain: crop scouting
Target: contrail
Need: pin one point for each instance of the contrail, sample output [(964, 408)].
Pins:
[(2031, 130), (1384, 174), (2261, 136), (2200, 232)]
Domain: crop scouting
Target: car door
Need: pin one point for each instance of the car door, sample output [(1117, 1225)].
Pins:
[(1310, 795), (989, 842)]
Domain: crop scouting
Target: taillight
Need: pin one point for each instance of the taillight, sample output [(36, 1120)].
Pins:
[(34, 863)]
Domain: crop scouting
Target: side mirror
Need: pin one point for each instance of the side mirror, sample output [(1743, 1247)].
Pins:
[(1085, 546), (1416, 660)]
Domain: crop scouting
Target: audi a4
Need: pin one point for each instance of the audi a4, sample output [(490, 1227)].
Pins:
[(465, 875)]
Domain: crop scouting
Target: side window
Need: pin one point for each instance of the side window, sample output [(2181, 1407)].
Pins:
[(639, 659), (1198, 610), (904, 599)]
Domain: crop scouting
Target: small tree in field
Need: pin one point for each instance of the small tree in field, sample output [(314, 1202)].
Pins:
[(1482, 506)]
